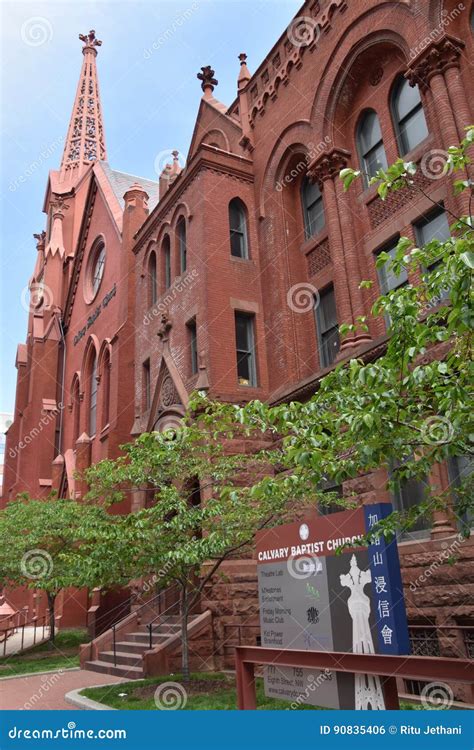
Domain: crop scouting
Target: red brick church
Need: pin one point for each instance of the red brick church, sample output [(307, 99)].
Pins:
[(143, 290)]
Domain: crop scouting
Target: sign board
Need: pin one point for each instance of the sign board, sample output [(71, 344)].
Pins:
[(313, 599)]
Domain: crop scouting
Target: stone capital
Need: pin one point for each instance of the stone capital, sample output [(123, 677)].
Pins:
[(327, 165), (437, 57)]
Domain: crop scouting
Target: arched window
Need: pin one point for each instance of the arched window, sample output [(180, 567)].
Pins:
[(167, 261), (76, 406), (105, 389), (370, 145), (152, 280), (183, 251), (313, 208), (408, 116), (93, 396), (239, 246)]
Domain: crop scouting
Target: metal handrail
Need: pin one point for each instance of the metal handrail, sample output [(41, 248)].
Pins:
[(145, 604), (161, 614), (15, 627)]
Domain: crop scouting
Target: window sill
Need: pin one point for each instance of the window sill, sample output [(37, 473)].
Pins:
[(419, 150), (236, 259), (370, 193), (313, 242), (104, 433)]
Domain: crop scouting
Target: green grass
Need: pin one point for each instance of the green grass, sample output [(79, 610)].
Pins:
[(140, 695), (63, 654)]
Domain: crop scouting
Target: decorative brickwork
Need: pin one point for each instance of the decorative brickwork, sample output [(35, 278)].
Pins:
[(319, 257), (381, 211)]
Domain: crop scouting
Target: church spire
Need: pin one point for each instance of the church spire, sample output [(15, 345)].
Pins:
[(85, 141)]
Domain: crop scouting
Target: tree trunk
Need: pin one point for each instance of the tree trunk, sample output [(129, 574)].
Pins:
[(184, 634), (52, 628)]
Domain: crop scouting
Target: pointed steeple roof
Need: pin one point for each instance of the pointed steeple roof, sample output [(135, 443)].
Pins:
[(85, 142)]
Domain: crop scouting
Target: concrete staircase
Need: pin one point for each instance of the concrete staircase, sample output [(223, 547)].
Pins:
[(133, 657)]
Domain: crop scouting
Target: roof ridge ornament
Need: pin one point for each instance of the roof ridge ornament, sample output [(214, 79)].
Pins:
[(206, 76)]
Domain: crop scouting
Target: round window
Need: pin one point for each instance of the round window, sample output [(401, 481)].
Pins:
[(95, 271)]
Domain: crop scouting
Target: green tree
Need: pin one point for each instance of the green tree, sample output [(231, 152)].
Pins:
[(202, 507), (48, 544)]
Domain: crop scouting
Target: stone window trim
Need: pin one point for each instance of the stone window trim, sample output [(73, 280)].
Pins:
[(244, 306), (312, 242)]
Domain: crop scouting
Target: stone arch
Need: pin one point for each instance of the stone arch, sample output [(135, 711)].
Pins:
[(386, 47), (169, 419), (375, 26), (296, 136), (216, 137), (105, 350), (92, 346), (151, 247), (170, 396), (182, 209)]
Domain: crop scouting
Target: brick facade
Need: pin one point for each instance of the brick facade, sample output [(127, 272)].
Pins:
[(297, 115)]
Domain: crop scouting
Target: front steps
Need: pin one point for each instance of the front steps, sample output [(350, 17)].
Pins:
[(128, 660)]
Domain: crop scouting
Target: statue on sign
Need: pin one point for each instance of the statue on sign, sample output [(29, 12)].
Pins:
[(368, 689)]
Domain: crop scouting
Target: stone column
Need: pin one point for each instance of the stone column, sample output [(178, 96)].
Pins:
[(442, 525), (457, 95), (436, 69), (83, 461), (347, 276), (428, 71)]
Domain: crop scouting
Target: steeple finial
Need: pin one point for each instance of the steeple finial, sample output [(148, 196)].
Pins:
[(244, 73), (85, 142), (208, 81), (90, 40)]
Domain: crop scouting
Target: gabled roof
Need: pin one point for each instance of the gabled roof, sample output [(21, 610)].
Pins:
[(120, 182), (219, 110)]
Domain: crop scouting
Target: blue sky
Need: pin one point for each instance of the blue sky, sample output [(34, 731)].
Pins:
[(147, 67)]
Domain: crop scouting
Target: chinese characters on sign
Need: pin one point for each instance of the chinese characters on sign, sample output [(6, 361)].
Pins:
[(313, 599)]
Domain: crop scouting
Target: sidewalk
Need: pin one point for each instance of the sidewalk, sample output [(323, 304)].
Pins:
[(26, 639), (46, 692)]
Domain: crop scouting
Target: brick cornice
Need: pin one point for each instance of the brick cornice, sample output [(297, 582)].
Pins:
[(326, 166), (435, 59), (206, 158)]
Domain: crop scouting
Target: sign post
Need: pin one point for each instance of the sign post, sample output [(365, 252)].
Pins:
[(314, 599)]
